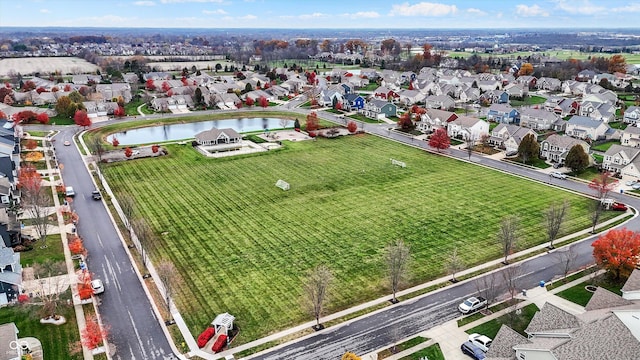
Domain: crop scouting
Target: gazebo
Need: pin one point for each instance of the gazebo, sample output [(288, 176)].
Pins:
[(223, 323)]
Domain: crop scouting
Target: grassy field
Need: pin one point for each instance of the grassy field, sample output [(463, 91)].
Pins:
[(243, 246), (55, 339), (562, 55)]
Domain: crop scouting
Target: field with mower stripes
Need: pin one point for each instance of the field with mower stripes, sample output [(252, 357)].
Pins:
[(243, 246)]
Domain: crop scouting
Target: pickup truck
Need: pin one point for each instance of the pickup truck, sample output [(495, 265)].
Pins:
[(472, 304)]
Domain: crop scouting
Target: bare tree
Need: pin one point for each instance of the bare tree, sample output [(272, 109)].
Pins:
[(511, 276), (565, 259), (397, 256), (170, 281), (316, 288), (127, 205), (487, 287), (508, 235), (98, 148), (470, 142), (454, 264), (284, 123), (596, 211), (50, 285), (37, 205), (144, 234), (554, 216)]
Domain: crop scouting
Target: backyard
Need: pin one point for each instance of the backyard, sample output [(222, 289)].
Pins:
[(243, 246)]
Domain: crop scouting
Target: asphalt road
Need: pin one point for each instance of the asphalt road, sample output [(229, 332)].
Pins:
[(134, 329), (136, 332)]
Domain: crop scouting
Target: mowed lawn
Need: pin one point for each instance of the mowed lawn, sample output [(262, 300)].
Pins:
[(243, 246)]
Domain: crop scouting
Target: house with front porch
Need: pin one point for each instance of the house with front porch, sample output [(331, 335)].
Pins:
[(538, 119), (509, 137), (217, 137), (503, 113), (622, 160), (548, 83), (583, 127), (434, 119), (599, 111), (378, 109), (466, 127), (630, 136), (495, 97), (632, 115), (353, 102), (442, 102), (556, 147)]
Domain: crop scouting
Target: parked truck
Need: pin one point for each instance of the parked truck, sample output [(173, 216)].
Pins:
[(472, 304)]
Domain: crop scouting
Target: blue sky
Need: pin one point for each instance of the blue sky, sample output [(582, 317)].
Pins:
[(384, 14)]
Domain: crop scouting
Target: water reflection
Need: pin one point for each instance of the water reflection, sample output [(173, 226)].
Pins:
[(187, 131)]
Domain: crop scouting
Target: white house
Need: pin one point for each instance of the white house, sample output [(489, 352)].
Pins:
[(466, 127)]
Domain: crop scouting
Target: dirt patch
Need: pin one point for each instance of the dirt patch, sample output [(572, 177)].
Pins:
[(46, 65), (137, 153)]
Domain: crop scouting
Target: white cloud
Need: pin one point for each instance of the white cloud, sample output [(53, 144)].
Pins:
[(423, 9), (248, 17), (475, 11), (584, 7), (364, 15), (214, 12), (627, 9), (187, 1), (534, 10), (45, 11), (144, 3), (313, 16)]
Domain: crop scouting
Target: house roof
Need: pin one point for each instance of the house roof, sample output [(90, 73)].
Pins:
[(552, 319), (502, 346), (632, 130), (466, 121), (629, 152), (8, 257), (379, 103), (584, 121), (633, 282), (503, 108), (441, 114), (214, 134), (604, 299), (538, 114)]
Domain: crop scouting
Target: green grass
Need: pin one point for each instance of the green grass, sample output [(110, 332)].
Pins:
[(528, 100), (516, 322), (401, 347), (36, 133), (579, 295), (53, 252), (588, 174), (244, 246), (605, 145), (363, 118), (432, 352), (55, 339), (59, 120), (598, 158), (131, 108)]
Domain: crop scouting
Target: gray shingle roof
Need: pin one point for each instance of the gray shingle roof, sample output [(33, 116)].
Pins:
[(563, 142), (214, 134), (552, 319), (603, 299), (633, 282), (505, 340), (584, 121), (628, 151)]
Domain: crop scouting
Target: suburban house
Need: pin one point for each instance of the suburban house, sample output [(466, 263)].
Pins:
[(353, 102), (631, 136), (562, 106), (632, 115), (466, 127), (470, 94), (631, 288), (599, 111), (516, 90), (556, 147), (443, 102), (114, 90), (548, 83), (622, 160), (495, 97), (217, 137), (377, 109), (527, 80), (503, 113), (538, 119), (607, 329), (434, 119), (410, 97), (10, 275), (489, 85), (385, 93), (509, 137), (225, 100), (583, 127)]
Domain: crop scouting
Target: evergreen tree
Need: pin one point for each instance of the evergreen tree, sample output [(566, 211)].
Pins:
[(577, 159), (529, 148)]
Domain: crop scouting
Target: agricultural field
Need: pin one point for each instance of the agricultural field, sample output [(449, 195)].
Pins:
[(46, 65), (209, 65), (243, 246), (560, 54)]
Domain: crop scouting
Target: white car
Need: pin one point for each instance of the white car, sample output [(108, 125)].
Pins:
[(97, 286), (558, 175), (481, 341), (630, 183)]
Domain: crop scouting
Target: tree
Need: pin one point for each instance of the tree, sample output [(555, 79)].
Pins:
[(565, 259), (350, 356), (3, 115), (511, 276), (296, 125), (43, 118), (144, 233), (454, 264), (617, 63), (93, 335), (50, 285), (165, 86), (128, 207), (263, 101), (155, 148), (595, 208), (603, 184), (115, 142), (249, 101), (150, 85), (65, 107), (508, 235), (312, 121), (528, 148), (397, 256), (26, 116), (405, 122), (28, 86), (577, 159), (128, 152), (487, 287), (352, 126), (617, 251), (197, 95), (81, 118), (119, 112), (34, 199), (470, 142), (31, 144), (440, 140), (170, 281), (525, 69), (554, 217), (316, 289)]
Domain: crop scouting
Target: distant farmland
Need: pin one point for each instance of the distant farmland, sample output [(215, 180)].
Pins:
[(46, 65), (560, 54)]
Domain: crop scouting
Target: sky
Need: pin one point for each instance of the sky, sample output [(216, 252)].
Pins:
[(301, 14)]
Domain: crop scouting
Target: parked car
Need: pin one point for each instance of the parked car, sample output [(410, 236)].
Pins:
[(67, 143), (636, 186), (511, 153), (472, 304), (68, 191), (557, 165), (475, 352), (558, 175), (481, 341), (97, 286), (630, 183), (618, 207), (95, 194)]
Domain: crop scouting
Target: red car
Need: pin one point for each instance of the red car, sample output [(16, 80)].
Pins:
[(618, 207)]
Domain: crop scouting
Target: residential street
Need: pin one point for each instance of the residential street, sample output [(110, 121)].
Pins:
[(137, 333)]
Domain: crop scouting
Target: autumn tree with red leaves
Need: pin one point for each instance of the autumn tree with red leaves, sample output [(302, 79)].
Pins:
[(31, 144), (155, 148), (119, 112), (312, 121), (128, 152), (249, 101), (185, 82), (405, 122), (81, 118), (26, 116), (239, 105), (440, 140), (617, 251), (603, 184), (67, 88), (43, 118), (263, 101), (28, 86), (352, 126), (3, 115), (339, 106), (150, 85), (115, 142), (166, 87), (93, 335)]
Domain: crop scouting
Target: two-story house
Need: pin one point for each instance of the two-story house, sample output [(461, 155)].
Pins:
[(556, 147), (599, 111), (434, 119), (632, 115), (622, 160), (503, 113), (353, 102), (466, 127), (443, 102), (378, 109), (583, 127), (630, 136), (538, 119), (509, 137)]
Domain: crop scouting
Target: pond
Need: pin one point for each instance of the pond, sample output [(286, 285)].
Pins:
[(187, 131)]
